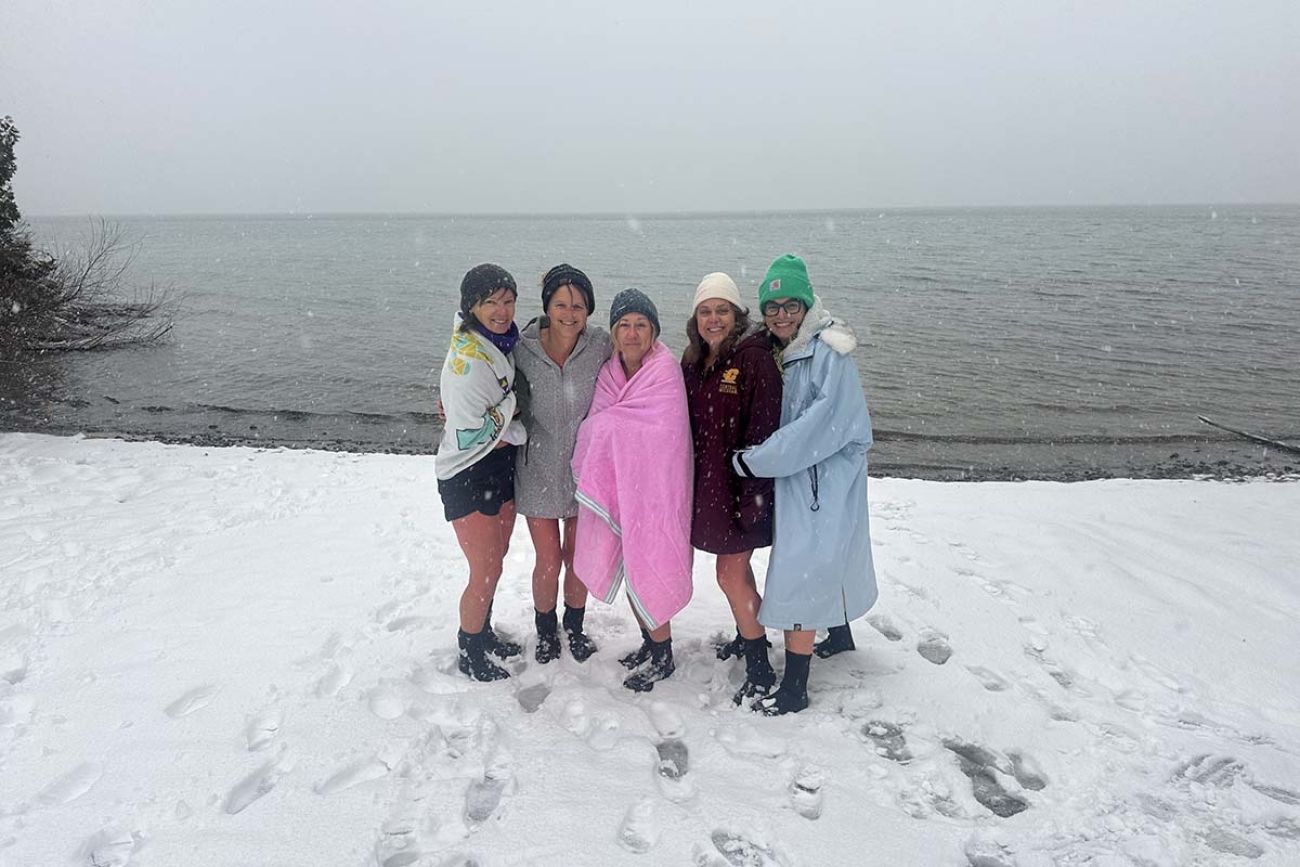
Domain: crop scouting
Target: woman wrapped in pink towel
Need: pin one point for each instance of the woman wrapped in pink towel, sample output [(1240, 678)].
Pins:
[(633, 467)]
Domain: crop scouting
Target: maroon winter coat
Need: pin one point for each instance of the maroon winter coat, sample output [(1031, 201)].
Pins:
[(736, 404)]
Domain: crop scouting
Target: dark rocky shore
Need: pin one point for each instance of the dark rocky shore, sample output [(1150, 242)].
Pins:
[(1211, 457)]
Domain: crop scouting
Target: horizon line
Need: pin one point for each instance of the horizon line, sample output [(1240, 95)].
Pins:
[(624, 215)]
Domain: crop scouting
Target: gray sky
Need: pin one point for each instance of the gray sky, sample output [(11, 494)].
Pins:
[(419, 105)]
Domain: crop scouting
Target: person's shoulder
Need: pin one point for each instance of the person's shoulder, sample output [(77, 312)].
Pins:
[(754, 349)]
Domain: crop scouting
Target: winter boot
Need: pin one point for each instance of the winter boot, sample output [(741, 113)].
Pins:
[(838, 640), (736, 647), (548, 636), (759, 675), (792, 697), (473, 659), (580, 644), (502, 648), (658, 667), (641, 654)]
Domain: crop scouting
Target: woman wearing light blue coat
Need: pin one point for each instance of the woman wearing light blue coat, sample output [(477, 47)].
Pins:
[(820, 573)]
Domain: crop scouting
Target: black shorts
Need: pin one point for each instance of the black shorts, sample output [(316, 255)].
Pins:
[(484, 486)]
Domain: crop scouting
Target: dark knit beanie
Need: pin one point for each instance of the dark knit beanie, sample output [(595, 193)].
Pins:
[(567, 275), (633, 301), (481, 282), (786, 278)]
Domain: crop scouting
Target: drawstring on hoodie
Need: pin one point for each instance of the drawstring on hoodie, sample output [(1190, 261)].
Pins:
[(816, 504)]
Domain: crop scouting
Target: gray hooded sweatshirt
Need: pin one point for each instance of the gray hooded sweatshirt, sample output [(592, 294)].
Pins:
[(554, 401)]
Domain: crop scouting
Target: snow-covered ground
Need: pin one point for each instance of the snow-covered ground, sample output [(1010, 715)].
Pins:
[(242, 657)]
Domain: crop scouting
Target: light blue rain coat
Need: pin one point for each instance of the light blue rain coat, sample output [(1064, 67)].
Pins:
[(820, 572)]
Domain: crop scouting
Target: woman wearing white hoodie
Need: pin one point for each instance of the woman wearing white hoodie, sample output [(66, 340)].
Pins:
[(475, 463)]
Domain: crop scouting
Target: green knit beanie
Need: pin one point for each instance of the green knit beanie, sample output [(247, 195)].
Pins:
[(786, 278)]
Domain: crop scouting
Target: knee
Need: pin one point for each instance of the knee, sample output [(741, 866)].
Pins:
[(547, 567)]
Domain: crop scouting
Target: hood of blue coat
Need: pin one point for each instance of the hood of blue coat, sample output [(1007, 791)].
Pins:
[(819, 324)]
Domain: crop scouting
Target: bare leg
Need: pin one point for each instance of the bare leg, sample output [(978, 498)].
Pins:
[(483, 540), (737, 581), (800, 642), (550, 559), (575, 592), (663, 633)]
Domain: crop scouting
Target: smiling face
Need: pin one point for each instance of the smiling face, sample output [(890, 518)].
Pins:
[(496, 312), (715, 319), (634, 336), (779, 319), (568, 311)]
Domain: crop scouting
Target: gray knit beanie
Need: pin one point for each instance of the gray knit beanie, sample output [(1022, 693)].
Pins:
[(633, 301)]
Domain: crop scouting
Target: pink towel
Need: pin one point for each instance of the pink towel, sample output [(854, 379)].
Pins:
[(633, 466)]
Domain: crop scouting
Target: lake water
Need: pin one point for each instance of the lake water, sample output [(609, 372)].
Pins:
[(994, 343)]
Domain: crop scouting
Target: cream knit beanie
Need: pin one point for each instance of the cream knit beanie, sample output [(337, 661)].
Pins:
[(717, 285)]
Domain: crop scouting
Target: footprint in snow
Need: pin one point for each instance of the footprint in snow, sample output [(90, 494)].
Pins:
[(109, 847), (385, 702), (733, 849), (1026, 771), (257, 784), (196, 699), (666, 720), (531, 698), (1277, 793), (1206, 769), (408, 623), (483, 797), (934, 647), (72, 785), (806, 793), (674, 758), (745, 741), (885, 627), (1225, 841), (1064, 677), (982, 767), (336, 676), (354, 774), (397, 845), (887, 740), (262, 729), (639, 831), (988, 678)]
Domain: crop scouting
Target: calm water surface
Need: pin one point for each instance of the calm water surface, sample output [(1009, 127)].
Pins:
[(1051, 343)]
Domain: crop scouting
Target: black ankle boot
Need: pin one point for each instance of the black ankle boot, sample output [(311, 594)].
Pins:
[(655, 669), (838, 640), (736, 647), (640, 655), (473, 659), (759, 675), (502, 648), (792, 697), (548, 636), (580, 644)]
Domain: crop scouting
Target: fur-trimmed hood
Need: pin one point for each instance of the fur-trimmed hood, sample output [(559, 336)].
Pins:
[(819, 323)]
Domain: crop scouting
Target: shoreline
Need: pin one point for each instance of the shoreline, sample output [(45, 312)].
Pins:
[(1175, 466)]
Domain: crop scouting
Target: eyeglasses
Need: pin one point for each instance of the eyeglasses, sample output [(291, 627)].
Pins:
[(791, 307)]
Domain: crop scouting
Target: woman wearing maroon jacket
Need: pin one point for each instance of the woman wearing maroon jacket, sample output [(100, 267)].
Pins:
[(733, 388)]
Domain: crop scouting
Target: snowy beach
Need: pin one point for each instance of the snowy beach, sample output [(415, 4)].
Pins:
[(234, 656)]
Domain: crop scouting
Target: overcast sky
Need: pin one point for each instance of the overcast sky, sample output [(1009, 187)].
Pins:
[(463, 107)]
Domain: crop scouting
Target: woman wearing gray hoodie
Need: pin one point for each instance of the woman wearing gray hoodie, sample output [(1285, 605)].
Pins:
[(557, 358)]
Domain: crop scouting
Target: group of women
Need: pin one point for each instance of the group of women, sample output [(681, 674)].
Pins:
[(624, 459)]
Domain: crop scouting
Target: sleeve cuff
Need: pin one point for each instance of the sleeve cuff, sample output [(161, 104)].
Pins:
[(741, 468)]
